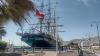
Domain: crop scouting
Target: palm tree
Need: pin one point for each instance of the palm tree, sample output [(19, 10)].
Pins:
[(2, 32), (15, 10)]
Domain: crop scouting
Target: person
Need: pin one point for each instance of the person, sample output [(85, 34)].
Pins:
[(78, 49), (81, 53)]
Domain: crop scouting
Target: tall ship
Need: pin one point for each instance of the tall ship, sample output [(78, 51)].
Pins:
[(45, 33)]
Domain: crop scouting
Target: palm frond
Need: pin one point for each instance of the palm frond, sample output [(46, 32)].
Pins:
[(15, 10)]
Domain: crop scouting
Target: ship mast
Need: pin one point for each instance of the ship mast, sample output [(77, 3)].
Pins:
[(52, 23), (49, 16), (49, 23), (41, 22)]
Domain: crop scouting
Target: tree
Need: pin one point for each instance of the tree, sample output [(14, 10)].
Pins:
[(73, 45), (2, 32), (15, 10), (3, 45)]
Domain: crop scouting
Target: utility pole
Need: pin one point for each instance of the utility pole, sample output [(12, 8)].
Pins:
[(98, 33), (56, 32), (97, 28)]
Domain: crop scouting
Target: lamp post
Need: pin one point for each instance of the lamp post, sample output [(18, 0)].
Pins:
[(97, 28)]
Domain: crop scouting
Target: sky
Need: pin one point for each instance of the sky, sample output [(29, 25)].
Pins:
[(76, 16)]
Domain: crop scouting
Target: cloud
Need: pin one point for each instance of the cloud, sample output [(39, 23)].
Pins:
[(87, 2), (3, 2), (84, 1)]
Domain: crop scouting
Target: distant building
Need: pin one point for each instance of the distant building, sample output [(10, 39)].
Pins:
[(87, 42)]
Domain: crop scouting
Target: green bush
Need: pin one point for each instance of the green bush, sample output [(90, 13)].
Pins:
[(3, 45)]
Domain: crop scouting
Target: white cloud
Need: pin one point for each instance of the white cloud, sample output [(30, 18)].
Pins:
[(87, 2), (84, 1), (3, 2)]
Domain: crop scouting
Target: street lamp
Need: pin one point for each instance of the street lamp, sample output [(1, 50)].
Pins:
[(97, 28)]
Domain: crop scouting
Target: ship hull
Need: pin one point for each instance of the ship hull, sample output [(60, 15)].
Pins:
[(39, 40)]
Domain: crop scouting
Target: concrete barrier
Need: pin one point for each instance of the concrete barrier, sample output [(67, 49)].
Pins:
[(10, 54)]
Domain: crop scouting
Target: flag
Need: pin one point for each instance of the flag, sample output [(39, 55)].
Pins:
[(40, 14)]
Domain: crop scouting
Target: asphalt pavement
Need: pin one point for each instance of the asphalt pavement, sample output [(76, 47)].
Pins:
[(66, 53), (76, 53), (85, 53)]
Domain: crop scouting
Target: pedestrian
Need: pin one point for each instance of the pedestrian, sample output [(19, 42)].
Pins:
[(81, 53)]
